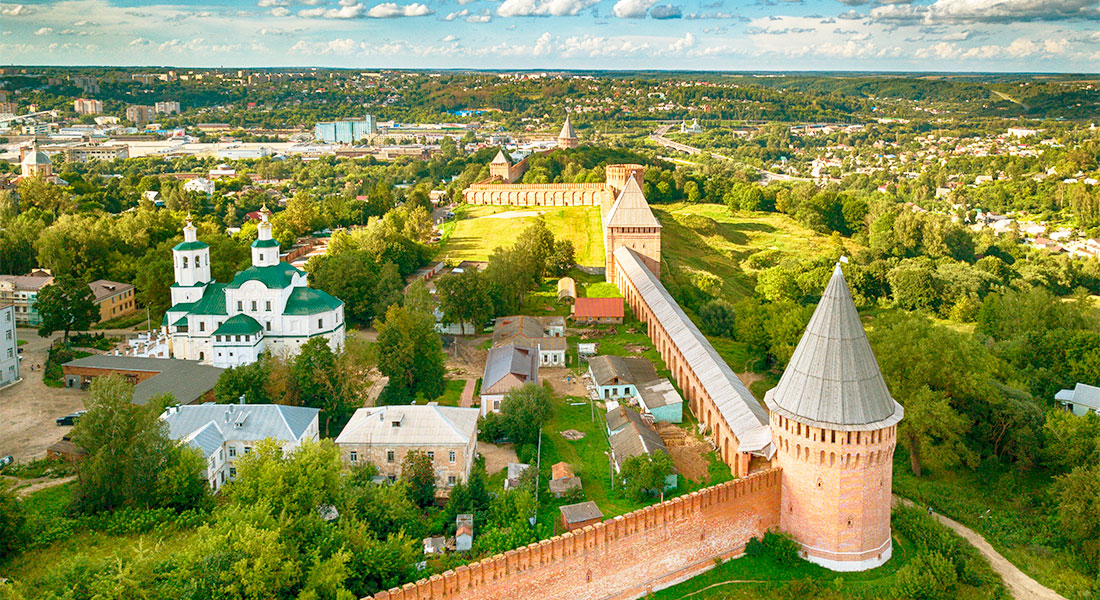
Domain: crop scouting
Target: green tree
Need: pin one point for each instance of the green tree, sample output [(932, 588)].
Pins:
[(320, 382), (464, 298), (13, 518), (718, 318), (929, 576), (417, 470), (67, 304), (524, 411), (645, 474), (131, 461), (410, 353), (1078, 497)]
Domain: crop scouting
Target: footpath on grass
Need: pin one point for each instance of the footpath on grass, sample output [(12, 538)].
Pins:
[(1018, 583)]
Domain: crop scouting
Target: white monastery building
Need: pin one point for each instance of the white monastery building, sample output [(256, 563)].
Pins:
[(268, 306)]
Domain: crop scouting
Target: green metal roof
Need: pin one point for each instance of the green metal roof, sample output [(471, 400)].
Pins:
[(190, 246), (308, 301), (199, 284), (274, 277), (181, 322), (239, 325), (212, 302), (265, 244)]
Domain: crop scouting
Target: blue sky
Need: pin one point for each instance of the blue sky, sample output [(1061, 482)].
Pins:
[(922, 35)]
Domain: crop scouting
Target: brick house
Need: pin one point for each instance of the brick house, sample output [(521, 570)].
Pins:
[(383, 435), (598, 310)]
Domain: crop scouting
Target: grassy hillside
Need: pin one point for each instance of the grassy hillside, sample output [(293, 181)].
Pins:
[(477, 230)]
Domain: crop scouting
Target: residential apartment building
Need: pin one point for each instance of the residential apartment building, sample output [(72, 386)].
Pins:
[(167, 107), (345, 132), (9, 108), (225, 432), (113, 298), (199, 184), (383, 435), (22, 292), (89, 152), (87, 106), (9, 347), (140, 114)]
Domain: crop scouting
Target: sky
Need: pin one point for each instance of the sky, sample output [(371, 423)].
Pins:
[(768, 35)]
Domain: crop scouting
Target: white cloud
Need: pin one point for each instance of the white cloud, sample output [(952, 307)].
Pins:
[(683, 43), (632, 9), (530, 8), (389, 10), (338, 46), (267, 3), (15, 10), (280, 11), (346, 11), (450, 38), (666, 11), (987, 11), (139, 42), (44, 31)]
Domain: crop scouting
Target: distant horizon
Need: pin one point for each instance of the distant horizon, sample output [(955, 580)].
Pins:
[(887, 36), (535, 69)]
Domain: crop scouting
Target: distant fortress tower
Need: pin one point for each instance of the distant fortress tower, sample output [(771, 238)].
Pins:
[(567, 138), (834, 425)]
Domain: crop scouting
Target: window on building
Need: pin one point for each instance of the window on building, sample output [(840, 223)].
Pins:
[(431, 455), (248, 449), (320, 323), (451, 456), (185, 262), (232, 472), (232, 451), (450, 480), (389, 455), (352, 456), (267, 305), (253, 305), (267, 325), (240, 305), (202, 325)]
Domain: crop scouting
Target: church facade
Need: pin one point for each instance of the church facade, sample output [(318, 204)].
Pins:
[(268, 306)]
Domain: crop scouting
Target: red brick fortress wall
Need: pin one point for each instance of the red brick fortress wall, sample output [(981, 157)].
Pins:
[(622, 558)]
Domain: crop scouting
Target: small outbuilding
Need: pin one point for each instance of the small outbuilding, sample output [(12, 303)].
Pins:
[(1080, 400), (598, 310), (580, 515), (464, 532), (567, 290), (563, 480)]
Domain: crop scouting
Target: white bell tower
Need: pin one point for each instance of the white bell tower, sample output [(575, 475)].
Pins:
[(265, 250), (191, 263)]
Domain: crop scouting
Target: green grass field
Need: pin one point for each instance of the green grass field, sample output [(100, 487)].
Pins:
[(709, 238), (475, 233)]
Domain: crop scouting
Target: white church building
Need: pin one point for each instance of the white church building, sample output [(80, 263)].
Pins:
[(268, 306)]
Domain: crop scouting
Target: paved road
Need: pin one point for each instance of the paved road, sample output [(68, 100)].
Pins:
[(1018, 583), (765, 176)]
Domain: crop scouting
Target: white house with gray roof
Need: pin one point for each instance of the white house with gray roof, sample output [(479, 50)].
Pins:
[(383, 435), (1080, 400), (268, 306), (225, 432)]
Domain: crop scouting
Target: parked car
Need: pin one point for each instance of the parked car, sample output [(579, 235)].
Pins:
[(71, 419), (6, 460)]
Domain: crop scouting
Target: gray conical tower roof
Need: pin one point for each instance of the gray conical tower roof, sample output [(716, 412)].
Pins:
[(567, 131), (833, 380)]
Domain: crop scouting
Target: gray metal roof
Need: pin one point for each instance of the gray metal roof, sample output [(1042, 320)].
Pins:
[(418, 425), (833, 380), (185, 380), (735, 403), (634, 371), (635, 438), (510, 360), (567, 130), (202, 425), (655, 394), (584, 511), (1081, 394), (631, 209)]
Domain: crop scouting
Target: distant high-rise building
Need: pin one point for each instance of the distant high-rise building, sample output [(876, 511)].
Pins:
[(8, 108), (89, 84), (140, 114), (345, 132), (9, 346), (86, 106), (168, 107)]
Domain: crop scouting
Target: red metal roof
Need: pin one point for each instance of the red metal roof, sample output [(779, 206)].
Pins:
[(588, 308)]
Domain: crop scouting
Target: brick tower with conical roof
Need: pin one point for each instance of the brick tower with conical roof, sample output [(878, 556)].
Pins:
[(834, 425)]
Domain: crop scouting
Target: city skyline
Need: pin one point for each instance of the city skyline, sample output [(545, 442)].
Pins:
[(766, 35)]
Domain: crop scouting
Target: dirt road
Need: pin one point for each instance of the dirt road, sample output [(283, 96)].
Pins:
[(28, 410), (1018, 583), (26, 487)]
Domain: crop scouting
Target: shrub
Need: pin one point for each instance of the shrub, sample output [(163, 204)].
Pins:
[(929, 576), (780, 547), (764, 259), (718, 318), (700, 224)]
